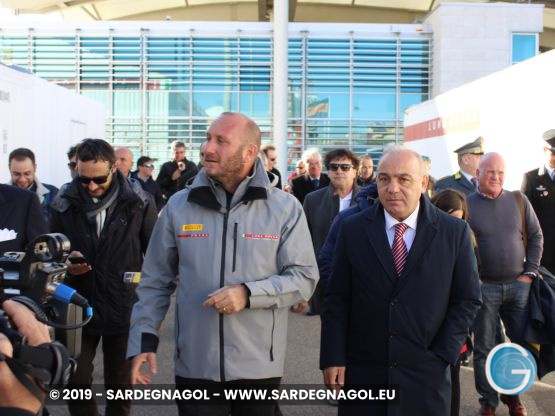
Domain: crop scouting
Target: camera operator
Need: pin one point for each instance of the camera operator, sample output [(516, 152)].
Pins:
[(15, 398), (175, 174)]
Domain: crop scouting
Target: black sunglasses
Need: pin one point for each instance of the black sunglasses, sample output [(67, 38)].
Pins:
[(148, 165), (99, 180), (345, 167), (72, 165)]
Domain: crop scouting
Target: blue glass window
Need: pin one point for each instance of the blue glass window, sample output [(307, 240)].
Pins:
[(525, 45)]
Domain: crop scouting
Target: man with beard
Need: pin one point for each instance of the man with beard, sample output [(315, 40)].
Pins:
[(109, 227), (231, 308)]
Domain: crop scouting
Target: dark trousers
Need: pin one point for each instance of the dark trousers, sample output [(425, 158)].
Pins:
[(456, 388), (117, 374), (229, 407)]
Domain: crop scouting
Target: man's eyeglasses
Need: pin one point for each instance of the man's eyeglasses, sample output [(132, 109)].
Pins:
[(99, 180), (72, 165), (273, 159), (149, 165), (345, 167)]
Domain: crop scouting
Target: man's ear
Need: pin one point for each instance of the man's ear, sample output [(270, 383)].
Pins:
[(251, 153), (425, 180)]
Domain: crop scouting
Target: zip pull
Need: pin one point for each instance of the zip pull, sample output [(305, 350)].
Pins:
[(234, 246)]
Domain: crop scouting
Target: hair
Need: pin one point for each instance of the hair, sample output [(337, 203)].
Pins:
[(267, 147), (264, 159), (341, 153), (21, 154), (72, 152), (175, 144), (309, 154), (366, 157), (97, 150), (142, 160), (450, 200)]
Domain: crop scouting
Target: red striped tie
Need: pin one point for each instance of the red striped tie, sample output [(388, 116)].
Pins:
[(399, 249)]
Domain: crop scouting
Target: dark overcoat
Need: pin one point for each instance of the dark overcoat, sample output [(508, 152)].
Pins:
[(400, 331), (301, 185)]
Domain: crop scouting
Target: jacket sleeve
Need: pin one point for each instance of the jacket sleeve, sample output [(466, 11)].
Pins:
[(464, 302), (337, 304), (35, 224), (157, 284), (296, 262), (526, 186), (164, 177), (149, 219), (189, 172), (534, 246)]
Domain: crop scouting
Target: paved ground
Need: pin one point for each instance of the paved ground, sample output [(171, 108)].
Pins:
[(302, 368)]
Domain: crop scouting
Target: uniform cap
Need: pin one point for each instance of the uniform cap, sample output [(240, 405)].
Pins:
[(549, 137), (473, 148)]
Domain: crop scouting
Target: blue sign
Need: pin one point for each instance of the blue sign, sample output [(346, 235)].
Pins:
[(510, 369)]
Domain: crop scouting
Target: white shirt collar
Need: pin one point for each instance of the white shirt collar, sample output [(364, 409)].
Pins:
[(549, 171), (411, 220), (467, 175)]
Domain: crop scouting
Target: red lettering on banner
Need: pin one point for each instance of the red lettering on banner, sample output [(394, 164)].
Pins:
[(192, 235)]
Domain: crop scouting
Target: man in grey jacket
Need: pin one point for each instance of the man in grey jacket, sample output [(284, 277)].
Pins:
[(242, 251)]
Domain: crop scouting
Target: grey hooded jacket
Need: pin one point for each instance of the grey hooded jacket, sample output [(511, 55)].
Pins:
[(262, 241)]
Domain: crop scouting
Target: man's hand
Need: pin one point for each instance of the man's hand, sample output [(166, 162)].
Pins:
[(334, 378), (78, 268), (299, 307), (12, 392), (228, 299), (137, 376), (26, 323), (524, 278)]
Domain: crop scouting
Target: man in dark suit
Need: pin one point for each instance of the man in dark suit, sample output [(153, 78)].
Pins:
[(468, 158), (313, 179), (321, 206), (20, 212), (403, 292), (539, 186)]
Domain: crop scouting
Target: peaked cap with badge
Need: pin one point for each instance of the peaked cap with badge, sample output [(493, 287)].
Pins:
[(458, 181)]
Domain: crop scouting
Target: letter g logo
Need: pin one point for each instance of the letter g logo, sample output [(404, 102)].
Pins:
[(510, 369)]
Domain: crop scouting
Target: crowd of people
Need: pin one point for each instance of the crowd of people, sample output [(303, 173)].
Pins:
[(407, 273)]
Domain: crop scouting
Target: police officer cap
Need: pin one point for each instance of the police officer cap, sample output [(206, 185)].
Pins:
[(473, 148), (549, 137)]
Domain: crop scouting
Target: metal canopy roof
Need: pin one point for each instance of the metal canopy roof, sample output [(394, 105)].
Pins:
[(353, 11)]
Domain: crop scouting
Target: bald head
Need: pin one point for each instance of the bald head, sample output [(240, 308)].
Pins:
[(491, 174), (124, 160), (249, 129)]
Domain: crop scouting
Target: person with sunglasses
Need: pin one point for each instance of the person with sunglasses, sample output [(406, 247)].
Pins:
[(143, 175), (539, 186), (271, 155), (109, 226), (322, 206)]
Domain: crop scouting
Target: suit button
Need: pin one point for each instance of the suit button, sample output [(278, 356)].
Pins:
[(393, 334), (394, 302), (393, 364)]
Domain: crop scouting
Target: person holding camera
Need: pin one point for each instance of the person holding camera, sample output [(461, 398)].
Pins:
[(109, 227), (175, 174), (15, 398)]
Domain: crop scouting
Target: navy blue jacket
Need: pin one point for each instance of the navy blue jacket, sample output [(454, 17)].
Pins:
[(400, 330), (365, 197)]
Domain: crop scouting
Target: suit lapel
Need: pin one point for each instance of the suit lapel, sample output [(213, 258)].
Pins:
[(466, 183), (426, 230), (378, 239)]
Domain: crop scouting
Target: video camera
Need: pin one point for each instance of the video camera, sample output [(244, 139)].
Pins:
[(35, 278)]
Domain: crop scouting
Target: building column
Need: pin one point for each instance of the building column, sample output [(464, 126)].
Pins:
[(280, 65)]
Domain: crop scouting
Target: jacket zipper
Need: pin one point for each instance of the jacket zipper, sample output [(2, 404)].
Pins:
[(234, 245), (272, 340), (222, 279)]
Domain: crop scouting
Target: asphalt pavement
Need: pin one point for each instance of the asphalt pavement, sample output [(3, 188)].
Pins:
[(301, 367)]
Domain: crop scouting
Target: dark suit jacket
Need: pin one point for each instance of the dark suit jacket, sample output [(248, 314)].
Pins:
[(20, 211), (457, 182), (320, 208), (403, 330), (540, 190), (301, 185)]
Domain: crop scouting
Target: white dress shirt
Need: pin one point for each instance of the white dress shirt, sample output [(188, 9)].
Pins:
[(409, 234), (345, 202)]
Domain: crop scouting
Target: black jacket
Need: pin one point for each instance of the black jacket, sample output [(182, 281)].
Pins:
[(540, 190), (169, 186), (119, 249), (301, 185), (21, 212)]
